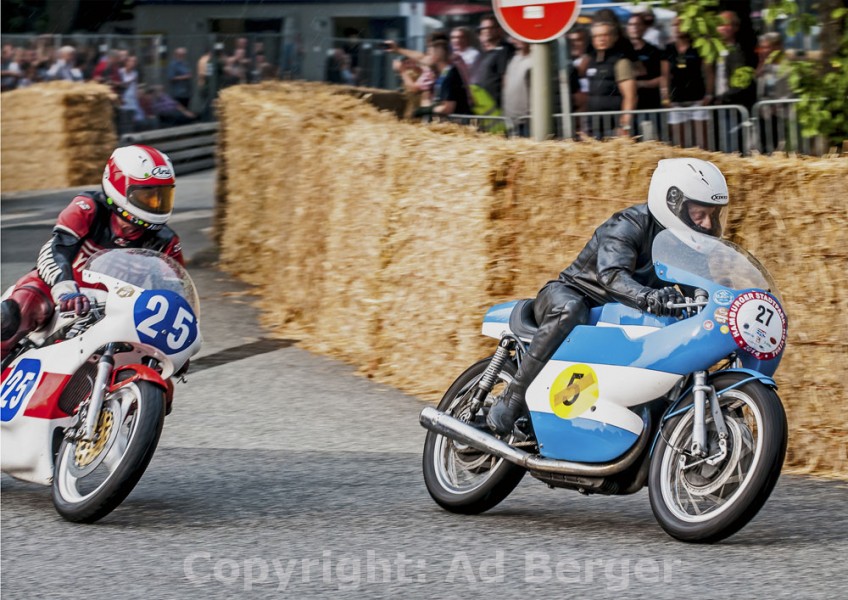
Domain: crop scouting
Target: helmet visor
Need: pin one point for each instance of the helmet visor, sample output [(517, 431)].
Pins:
[(158, 200), (702, 217)]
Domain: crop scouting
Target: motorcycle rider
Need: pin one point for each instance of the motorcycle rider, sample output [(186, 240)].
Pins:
[(685, 195), (131, 211)]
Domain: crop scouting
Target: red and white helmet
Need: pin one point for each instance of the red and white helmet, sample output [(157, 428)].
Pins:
[(139, 185)]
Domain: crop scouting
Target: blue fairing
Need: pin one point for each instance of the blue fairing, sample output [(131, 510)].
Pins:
[(581, 440)]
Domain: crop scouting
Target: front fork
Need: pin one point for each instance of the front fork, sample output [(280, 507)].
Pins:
[(105, 366), (704, 393)]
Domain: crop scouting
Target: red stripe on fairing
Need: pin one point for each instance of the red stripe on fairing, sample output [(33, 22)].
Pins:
[(44, 403)]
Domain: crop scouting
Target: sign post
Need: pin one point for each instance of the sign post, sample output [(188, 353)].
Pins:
[(538, 22)]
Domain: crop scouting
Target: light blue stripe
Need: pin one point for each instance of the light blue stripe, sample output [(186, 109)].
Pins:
[(580, 440)]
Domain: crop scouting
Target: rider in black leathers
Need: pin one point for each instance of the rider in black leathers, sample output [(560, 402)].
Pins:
[(615, 266)]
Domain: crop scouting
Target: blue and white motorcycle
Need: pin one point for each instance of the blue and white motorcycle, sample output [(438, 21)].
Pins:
[(685, 405)]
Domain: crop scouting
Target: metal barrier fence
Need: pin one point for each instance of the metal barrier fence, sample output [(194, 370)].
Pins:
[(715, 128), (776, 128), (484, 123), (190, 147)]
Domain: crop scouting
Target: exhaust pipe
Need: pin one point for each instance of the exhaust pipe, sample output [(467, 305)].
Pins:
[(454, 429)]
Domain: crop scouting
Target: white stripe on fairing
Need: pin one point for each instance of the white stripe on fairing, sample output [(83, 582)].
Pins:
[(619, 386)]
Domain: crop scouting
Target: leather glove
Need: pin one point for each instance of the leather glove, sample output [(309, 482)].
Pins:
[(70, 299), (656, 301)]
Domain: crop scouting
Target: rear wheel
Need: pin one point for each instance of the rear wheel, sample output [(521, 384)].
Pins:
[(91, 479), (697, 500), (460, 478)]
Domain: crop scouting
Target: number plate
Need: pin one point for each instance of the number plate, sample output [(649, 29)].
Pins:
[(18, 387), (758, 324), (165, 320)]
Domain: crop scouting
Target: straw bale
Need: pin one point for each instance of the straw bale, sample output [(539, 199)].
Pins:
[(383, 242), (56, 134)]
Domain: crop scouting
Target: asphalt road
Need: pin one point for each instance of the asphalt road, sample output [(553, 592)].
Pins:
[(283, 474)]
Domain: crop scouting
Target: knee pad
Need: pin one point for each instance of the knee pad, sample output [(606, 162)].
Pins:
[(11, 318)]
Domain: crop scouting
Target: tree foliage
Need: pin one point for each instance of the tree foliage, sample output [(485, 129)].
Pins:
[(821, 85)]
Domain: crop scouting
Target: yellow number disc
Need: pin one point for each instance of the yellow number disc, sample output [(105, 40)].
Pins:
[(574, 391)]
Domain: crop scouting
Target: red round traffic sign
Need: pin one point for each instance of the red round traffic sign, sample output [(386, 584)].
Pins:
[(536, 21)]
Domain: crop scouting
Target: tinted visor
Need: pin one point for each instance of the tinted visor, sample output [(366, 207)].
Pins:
[(158, 200)]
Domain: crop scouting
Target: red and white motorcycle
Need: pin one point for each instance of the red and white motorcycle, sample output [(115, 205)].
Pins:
[(84, 399)]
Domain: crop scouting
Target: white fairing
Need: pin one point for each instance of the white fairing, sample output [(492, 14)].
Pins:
[(27, 441)]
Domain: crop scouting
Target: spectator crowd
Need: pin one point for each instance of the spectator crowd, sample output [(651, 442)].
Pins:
[(614, 66), (182, 96)]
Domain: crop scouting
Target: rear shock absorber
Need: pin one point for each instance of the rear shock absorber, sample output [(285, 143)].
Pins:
[(490, 375)]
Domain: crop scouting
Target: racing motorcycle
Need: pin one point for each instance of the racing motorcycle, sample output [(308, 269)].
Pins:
[(684, 404), (84, 398)]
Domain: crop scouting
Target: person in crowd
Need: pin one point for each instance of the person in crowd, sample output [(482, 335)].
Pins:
[(728, 89), (130, 211), (649, 56), (11, 70), (731, 59), (772, 84), (167, 110), (612, 82), (130, 100), (236, 67), (179, 77), (450, 92), (516, 82), (653, 35), (488, 70), (686, 82), (462, 43), (263, 69), (64, 68), (578, 47), (685, 195), (108, 71)]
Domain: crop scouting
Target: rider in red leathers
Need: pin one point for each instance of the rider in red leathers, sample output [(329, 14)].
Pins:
[(130, 212)]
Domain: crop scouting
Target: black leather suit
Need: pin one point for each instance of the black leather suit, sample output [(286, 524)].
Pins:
[(615, 266)]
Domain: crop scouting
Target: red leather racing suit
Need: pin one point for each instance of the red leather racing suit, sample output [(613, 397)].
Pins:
[(86, 226)]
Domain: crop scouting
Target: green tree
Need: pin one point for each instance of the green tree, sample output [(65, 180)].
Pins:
[(821, 85)]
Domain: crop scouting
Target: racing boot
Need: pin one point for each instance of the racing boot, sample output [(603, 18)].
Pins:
[(508, 407)]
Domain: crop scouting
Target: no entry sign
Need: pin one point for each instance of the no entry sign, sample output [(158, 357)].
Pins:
[(536, 21)]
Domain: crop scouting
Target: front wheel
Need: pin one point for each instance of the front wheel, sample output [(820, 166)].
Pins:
[(91, 479), (462, 479), (697, 500)]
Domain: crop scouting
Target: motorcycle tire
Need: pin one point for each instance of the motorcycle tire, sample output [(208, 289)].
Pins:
[(127, 452), (707, 503), (488, 489)]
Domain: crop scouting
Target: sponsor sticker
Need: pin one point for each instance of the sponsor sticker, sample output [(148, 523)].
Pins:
[(574, 391), (720, 315), (723, 297), (724, 329), (126, 292), (161, 173), (709, 325), (758, 324)]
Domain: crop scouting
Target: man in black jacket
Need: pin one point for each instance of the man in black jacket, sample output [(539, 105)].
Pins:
[(616, 265)]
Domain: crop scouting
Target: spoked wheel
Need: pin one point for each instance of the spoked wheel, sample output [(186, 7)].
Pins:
[(708, 499), (91, 478), (460, 478)]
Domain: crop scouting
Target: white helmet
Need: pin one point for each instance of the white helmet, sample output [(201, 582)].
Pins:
[(139, 185), (688, 194)]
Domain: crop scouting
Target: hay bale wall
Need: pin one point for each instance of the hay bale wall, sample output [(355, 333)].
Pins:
[(55, 135), (383, 243)]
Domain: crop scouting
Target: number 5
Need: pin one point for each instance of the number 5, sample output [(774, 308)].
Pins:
[(183, 329)]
